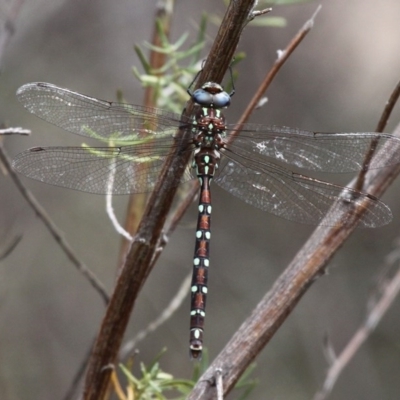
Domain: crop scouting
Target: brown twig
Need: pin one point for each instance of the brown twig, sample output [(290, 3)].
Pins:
[(388, 292), (139, 259), (73, 387), (387, 111), (6, 249), (54, 231), (278, 64), (394, 97)]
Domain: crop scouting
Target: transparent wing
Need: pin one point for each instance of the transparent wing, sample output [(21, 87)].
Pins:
[(292, 196), (107, 170), (95, 118), (325, 152), (134, 168)]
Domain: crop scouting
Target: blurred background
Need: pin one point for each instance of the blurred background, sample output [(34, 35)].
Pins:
[(339, 79)]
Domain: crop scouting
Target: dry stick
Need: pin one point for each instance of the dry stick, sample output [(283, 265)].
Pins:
[(388, 108), (219, 384), (54, 231), (7, 249), (71, 392), (15, 131), (282, 58), (138, 262), (374, 143)]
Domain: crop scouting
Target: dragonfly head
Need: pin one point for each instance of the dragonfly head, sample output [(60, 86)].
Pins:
[(212, 95)]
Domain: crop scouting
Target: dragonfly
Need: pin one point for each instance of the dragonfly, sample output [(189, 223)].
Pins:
[(252, 165)]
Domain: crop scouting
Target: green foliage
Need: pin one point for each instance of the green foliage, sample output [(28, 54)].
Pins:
[(276, 22), (155, 384), (171, 81)]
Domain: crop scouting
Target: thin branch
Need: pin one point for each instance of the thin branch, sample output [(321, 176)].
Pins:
[(219, 384), (257, 13), (110, 209), (387, 111), (139, 259), (283, 56), (73, 387), (388, 293), (15, 131), (52, 228), (394, 97), (6, 249), (114, 220)]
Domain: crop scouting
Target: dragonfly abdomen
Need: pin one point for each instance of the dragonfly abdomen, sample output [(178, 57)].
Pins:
[(200, 270)]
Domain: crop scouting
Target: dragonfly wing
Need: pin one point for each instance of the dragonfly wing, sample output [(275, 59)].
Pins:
[(295, 197), (107, 170), (87, 116), (325, 152)]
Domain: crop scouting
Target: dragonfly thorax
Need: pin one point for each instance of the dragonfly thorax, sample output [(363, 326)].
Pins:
[(208, 140)]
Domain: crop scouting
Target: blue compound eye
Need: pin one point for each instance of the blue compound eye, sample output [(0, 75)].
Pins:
[(221, 100), (202, 97)]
